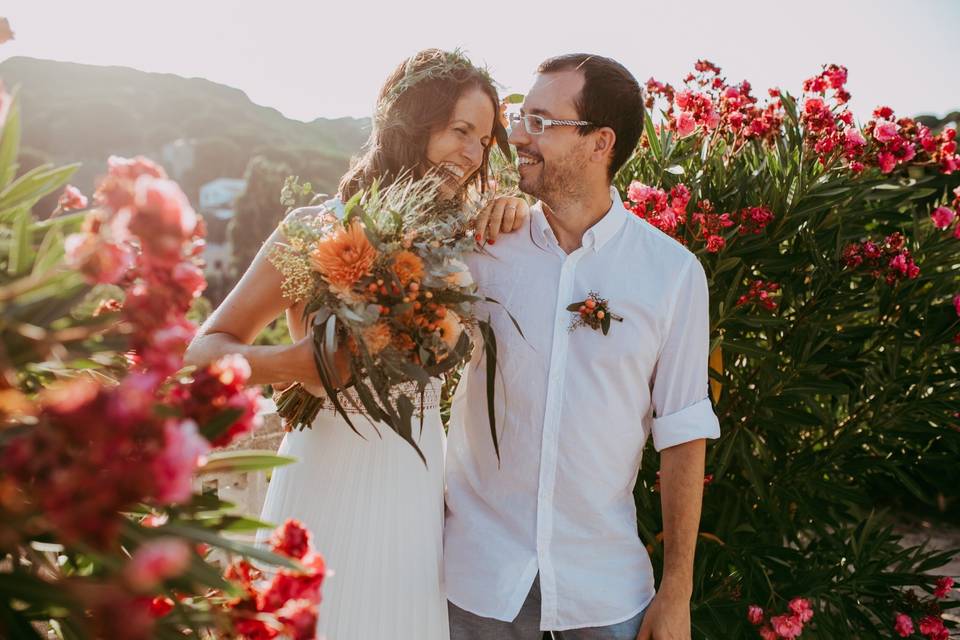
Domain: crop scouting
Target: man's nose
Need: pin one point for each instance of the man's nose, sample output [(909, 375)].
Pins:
[(518, 135)]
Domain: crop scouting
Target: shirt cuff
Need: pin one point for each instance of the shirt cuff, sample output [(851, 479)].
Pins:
[(692, 423)]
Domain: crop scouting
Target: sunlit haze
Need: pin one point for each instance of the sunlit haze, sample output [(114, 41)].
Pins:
[(323, 59)]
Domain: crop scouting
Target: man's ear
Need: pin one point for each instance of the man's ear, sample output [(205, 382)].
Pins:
[(603, 143)]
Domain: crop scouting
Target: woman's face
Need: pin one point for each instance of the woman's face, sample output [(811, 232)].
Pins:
[(457, 148)]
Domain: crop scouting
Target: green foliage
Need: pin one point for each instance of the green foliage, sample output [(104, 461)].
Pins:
[(845, 391), (258, 210)]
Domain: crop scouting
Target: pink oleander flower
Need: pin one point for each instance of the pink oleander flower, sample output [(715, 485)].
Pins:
[(767, 633), (100, 262), (885, 131), (945, 584), (801, 608), (190, 278), (933, 628), (291, 540), (886, 161), (6, 34), (72, 199), (685, 124), (903, 625), (299, 619), (164, 219), (943, 217), (755, 615), (787, 626), (184, 449), (956, 306), (155, 561)]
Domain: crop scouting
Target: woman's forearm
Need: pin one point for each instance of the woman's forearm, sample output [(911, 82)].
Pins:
[(269, 364)]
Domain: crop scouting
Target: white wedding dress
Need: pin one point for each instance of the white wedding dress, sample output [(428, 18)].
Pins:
[(376, 515)]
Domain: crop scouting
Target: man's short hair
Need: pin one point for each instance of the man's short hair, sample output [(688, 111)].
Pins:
[(611, 97)]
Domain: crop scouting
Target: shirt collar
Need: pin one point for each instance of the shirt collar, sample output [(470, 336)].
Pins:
[(594, 238)]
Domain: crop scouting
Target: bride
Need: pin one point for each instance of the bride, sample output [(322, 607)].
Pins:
[(374, 508)]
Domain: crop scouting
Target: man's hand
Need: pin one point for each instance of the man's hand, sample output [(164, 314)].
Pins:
[(667, 618)]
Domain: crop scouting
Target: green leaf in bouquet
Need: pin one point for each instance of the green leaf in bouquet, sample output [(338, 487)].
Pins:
[(247, 460), (490, 353), (675, 169), (405, 410), (514, 98)]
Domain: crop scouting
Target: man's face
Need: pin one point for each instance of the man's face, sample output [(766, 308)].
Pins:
[(551, 164)]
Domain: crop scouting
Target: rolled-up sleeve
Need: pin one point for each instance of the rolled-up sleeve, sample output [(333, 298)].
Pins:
[(680, 384)]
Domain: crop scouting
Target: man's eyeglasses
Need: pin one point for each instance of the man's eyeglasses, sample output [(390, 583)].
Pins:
[(535, 125)]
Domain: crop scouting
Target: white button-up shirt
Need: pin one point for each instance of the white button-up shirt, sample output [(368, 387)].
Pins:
[(574, 410)]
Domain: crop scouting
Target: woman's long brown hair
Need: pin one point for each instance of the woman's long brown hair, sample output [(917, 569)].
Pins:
[(406, 116)]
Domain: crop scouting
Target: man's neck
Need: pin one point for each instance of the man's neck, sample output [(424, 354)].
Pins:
[(571, 218)]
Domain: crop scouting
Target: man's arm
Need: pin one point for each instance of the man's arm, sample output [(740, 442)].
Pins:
[(681, 498)]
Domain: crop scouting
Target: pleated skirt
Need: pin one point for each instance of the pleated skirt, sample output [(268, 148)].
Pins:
[(376, 514)]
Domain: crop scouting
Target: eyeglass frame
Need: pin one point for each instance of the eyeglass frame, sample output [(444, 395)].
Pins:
[(547, 122)]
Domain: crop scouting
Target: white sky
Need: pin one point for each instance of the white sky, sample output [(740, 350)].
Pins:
[(316, 58)]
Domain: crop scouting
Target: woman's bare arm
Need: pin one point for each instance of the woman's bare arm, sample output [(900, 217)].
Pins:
[(253, 304)]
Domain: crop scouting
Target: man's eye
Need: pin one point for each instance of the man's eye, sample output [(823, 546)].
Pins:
[(461, 130)]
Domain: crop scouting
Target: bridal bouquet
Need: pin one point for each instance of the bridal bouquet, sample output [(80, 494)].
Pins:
[(387, 283)]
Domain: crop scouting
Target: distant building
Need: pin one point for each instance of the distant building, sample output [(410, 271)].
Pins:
[(178, 157), (217, 199)]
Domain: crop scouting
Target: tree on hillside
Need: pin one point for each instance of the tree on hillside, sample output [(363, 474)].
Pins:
[(258, 210)]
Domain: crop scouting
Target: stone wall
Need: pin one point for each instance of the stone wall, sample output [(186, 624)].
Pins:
[(248, 489)]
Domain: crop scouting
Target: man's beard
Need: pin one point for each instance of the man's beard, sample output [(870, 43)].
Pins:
[(557, 182)]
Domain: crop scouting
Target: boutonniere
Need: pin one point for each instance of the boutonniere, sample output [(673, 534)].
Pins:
[(594, 312)]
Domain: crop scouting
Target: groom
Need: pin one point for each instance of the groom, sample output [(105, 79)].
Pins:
[(546, 538)]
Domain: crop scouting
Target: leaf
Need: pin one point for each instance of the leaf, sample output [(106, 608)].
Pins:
[(220, 423), (514, 98), (654, 142), (30, 187), (249, 460), (490, 351), (21, 252), (676, 170), (213, 539), (10, 142)]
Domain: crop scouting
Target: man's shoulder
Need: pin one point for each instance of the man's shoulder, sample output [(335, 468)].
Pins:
[(661, 248)]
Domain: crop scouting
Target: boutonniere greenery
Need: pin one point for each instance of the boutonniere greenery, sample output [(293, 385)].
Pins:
[(594, 312)]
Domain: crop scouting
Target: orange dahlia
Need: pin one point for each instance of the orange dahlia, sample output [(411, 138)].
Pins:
[(376, 337), (344, 257), (408, 267), (450, 329)]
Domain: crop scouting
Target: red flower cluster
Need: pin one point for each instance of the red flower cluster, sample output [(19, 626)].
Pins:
[(290, 598), (930, 624), (712, 104), (760, 293), (665, 212), (711, 226), (889, 259), (85, 460), (96, 451), (753, 220), (72, 199), (217, 388), (789, 625), (933, 628), (668, 212)]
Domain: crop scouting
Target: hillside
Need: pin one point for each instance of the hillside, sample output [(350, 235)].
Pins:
[(75, 112)]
